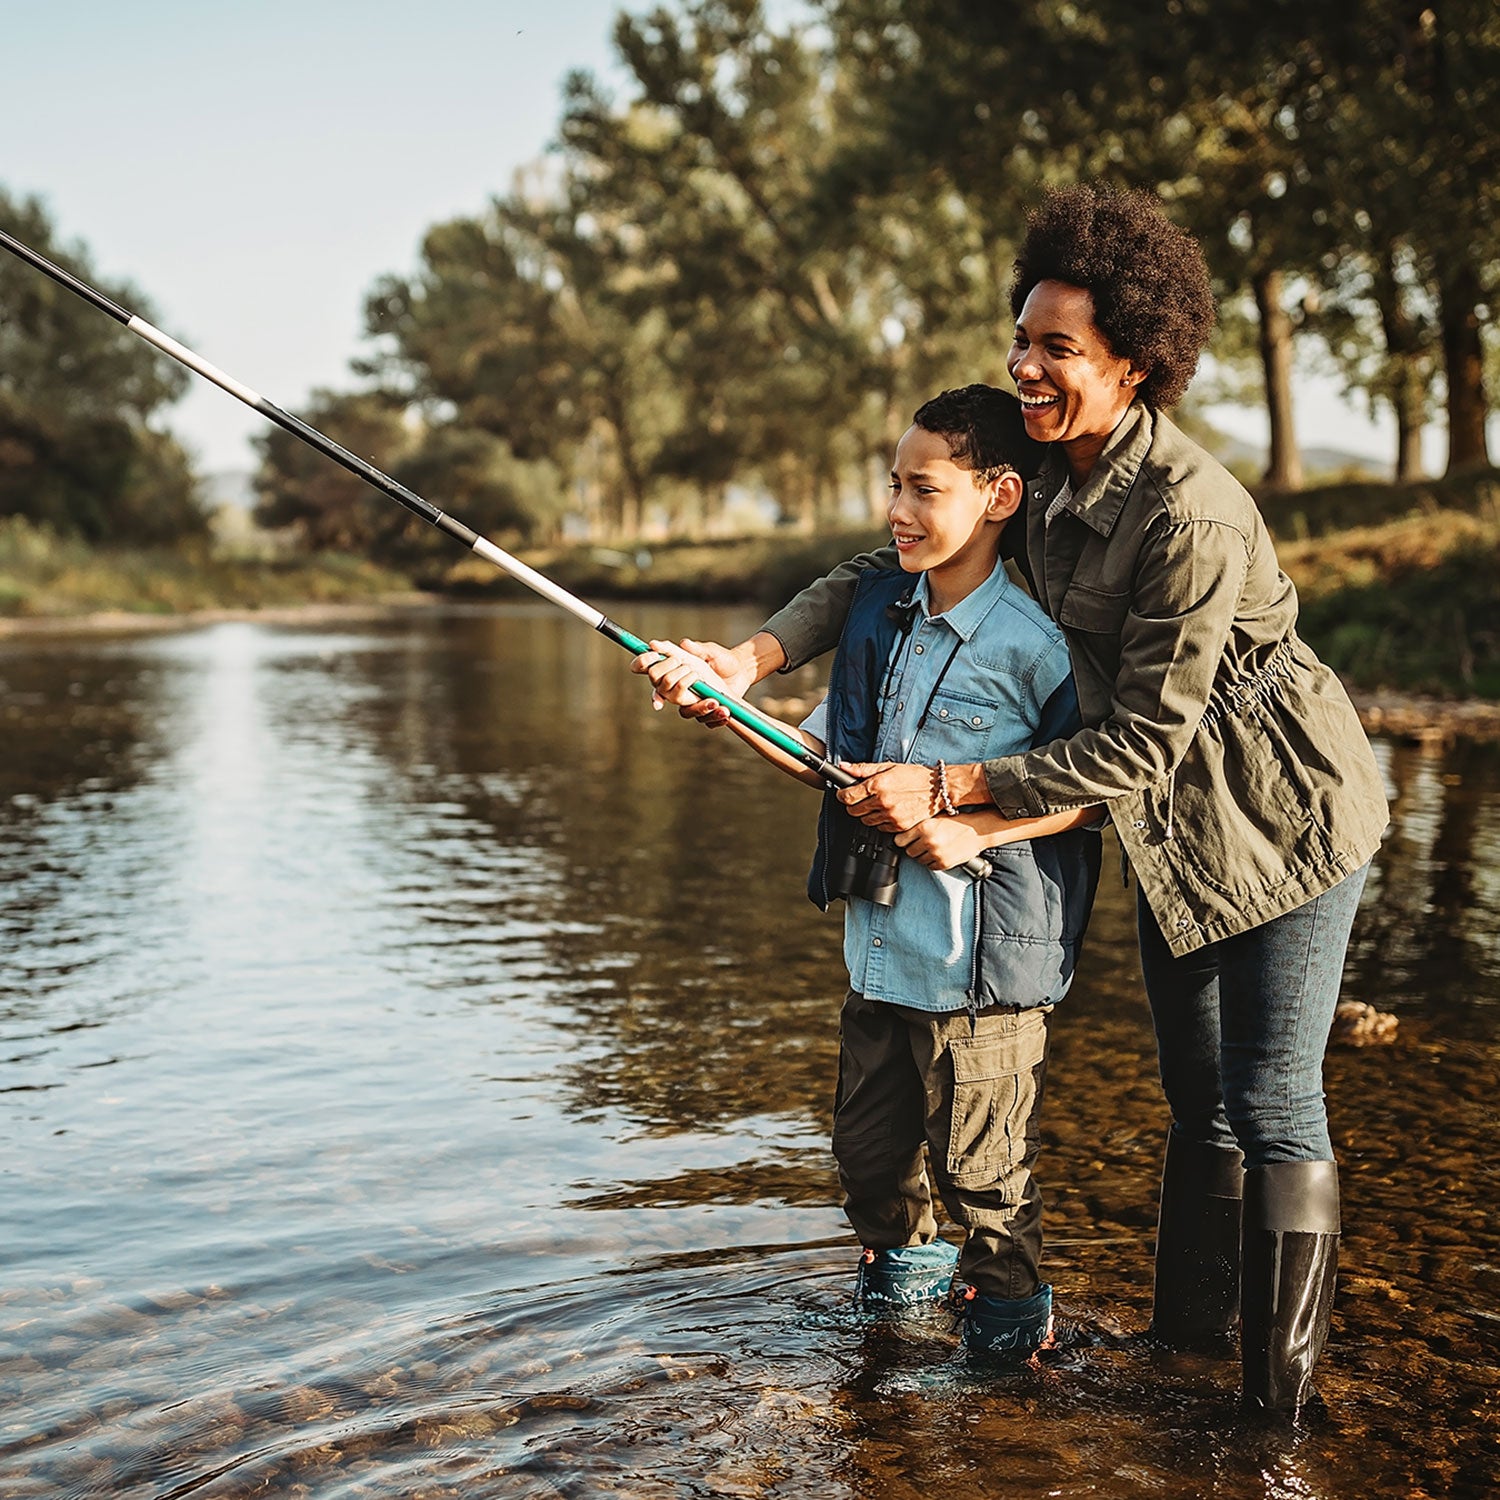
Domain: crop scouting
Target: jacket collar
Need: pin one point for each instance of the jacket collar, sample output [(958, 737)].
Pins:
[(1099, 502)]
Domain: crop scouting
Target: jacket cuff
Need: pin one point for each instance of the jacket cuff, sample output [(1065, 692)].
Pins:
[(1010, 790)]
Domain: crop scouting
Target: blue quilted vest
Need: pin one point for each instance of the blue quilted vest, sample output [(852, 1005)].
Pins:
[(1033, 907)]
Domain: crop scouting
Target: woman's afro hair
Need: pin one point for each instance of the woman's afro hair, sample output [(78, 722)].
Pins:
[(1148, 279)]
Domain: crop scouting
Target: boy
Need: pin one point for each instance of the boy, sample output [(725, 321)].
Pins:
[(943, 1035)]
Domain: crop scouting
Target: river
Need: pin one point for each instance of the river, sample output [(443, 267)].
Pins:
[(416, 1061)]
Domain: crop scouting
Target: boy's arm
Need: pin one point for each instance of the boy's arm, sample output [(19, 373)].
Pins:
[(942, 843)]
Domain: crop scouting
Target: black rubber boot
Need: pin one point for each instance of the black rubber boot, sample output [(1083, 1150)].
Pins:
[(1197, 1299), (1289, 1259)]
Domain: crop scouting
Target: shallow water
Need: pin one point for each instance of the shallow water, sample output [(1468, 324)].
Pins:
[(415, 1069)]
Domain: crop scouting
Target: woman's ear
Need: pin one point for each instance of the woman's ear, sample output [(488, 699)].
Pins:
[(1006, 494)]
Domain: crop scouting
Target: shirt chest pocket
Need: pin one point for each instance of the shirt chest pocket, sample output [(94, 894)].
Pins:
[(955, 728)]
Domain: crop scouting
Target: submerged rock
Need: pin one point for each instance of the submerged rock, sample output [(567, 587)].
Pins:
[(1356, 1024)]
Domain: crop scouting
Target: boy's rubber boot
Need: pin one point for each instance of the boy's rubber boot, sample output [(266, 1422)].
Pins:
[(999, 1330), (905, 1277), (1289, 1261), (1197, 1298)]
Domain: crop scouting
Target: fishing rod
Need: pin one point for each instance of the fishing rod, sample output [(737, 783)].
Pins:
[(831, 773)]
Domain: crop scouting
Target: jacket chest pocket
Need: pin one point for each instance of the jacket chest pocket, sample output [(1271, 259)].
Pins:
[(1093, 611)]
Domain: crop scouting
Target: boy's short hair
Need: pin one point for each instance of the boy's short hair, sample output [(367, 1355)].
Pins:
[(984, 430)]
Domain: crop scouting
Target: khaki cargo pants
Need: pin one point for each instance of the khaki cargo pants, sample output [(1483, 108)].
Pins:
[(970, 1090)]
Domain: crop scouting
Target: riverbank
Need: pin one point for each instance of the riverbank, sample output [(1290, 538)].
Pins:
[(1406, 606), (1413, 718)]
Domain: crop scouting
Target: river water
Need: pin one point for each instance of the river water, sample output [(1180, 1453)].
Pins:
[(415, 1071)]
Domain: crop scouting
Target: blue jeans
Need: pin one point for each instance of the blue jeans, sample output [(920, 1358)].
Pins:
[(1242, 1025)]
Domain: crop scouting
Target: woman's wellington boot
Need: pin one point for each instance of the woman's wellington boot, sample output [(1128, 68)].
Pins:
[(1289, 1260), (906, 1276), (1197, 1298)]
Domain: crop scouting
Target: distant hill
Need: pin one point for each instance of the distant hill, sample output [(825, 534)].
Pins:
[(1248, 460)]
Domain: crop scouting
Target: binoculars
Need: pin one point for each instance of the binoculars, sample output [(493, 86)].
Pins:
[(869, 869)]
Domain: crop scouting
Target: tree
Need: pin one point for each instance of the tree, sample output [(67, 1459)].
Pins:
[(78, 393)]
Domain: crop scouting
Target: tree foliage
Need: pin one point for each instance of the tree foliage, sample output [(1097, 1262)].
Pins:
[(78, 396), (744, 268)]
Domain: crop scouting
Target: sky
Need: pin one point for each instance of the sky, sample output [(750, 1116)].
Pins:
[(253, 169)]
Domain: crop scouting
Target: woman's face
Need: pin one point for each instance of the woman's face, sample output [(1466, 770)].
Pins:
[(1073, 387)]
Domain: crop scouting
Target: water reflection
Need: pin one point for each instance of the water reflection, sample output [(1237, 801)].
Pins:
[(417, 1061)]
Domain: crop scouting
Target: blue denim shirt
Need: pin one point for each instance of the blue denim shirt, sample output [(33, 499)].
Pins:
[(990, 677)]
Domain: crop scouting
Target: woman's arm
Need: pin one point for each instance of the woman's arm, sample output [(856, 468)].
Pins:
[(1189, 583), (811, 623), (806, 627)]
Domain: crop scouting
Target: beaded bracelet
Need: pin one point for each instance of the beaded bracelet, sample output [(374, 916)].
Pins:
[(941, 796)]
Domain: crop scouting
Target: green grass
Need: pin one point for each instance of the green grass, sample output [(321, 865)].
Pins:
[(45, 576), (1412, 605)]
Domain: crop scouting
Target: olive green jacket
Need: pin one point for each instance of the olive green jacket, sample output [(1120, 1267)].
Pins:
[(1233, 765)]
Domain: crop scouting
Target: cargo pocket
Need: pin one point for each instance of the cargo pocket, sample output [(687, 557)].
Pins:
[(994, 1091)]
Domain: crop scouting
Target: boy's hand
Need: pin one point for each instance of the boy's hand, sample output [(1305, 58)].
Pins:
[(718, 666), (892, 795), (941, 843)]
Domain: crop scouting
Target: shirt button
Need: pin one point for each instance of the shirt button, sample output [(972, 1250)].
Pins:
[(1139, 823), (876, 942), (976, 720), (899, 707), (918, 649), (942, 713), (1182, 922)]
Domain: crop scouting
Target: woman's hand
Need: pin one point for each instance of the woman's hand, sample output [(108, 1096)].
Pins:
[(942, 843), (891, 796), (673, 671), (713, 665)]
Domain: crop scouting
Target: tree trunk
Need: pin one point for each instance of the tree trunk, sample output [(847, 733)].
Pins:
[(1463, 363), (1408, 368), (1408, 447), (1284, 471)]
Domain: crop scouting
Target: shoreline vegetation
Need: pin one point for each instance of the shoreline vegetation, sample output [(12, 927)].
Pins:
[(1399, 584)]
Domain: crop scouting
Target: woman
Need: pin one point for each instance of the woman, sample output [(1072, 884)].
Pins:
[(1229, 758)]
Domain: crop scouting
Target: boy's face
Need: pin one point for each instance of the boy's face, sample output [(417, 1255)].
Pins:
[(940, 511)]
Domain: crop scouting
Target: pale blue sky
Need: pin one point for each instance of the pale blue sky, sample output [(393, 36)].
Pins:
[(254, 168)]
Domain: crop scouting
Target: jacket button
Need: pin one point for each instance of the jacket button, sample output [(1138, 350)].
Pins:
[(976, 720), (918, 649), (1182, 922), (1139, 823), (942, 713), (877, 942)]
